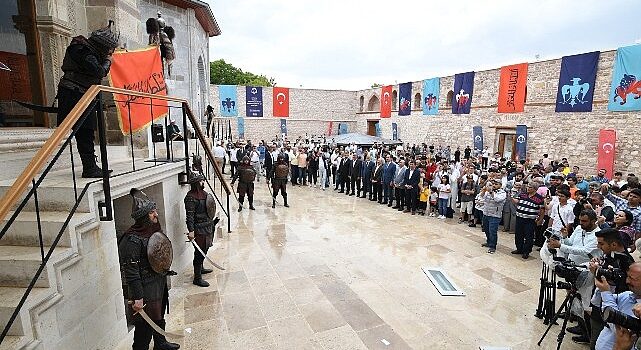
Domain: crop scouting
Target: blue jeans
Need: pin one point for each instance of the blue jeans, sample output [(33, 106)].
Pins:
[(491, 227), (302, 175), (442, 206)]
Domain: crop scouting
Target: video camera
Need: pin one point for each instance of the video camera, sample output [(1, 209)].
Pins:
[(626, 321), (551, 234), (567, 270)]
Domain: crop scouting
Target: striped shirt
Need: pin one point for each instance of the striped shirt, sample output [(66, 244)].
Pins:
[(529, 207)]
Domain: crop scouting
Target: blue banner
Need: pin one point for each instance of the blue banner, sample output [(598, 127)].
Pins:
[(228, 100), (477, 138), (626, 80), (241, 127), (462, 97), (254, 101), (394, 131), (521, 142), (431, 90), (378, 129), (342, 128), (576, 82), (404, 99), (283, 126)]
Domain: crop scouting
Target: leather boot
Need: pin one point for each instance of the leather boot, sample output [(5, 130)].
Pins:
[(160, 342), (240, 206), (285, 199), (251, 204), (273, 202), (89, 167), (204, 271), (142, 335), (198, 278)]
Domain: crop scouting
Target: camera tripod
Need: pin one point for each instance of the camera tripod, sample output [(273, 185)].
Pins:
[(566, 305), (547, 294)]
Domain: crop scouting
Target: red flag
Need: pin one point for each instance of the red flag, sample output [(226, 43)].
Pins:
[(138, 70), (607, 140), (512, 88), (329, 128), (386, 101), (281, 101)]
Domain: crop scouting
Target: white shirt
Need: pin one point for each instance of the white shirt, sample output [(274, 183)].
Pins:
[(233, 154), (559, 212), (219, 152), (255, 156), (580, 244)]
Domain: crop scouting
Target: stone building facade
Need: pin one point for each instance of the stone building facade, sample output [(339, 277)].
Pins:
[(571, 135), (310, 112)]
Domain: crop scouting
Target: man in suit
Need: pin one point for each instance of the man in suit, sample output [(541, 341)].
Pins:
[(343, 172), (389, 170), (270, 162), (366, 170), (377, 180), (412, 177), (399, 185), (355, 174)]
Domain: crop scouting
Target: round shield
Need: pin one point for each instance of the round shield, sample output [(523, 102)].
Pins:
[(159, 252), (211, 206)]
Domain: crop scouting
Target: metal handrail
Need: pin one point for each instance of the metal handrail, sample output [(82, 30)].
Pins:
[(37, 162)]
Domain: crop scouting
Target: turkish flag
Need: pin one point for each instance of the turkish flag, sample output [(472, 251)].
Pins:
[(607, 140), (281, 101), (386, 101)]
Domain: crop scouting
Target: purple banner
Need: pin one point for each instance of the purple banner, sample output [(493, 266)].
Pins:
[(254, 101)]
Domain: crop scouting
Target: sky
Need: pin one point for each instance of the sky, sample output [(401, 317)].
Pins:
[(350, 45)]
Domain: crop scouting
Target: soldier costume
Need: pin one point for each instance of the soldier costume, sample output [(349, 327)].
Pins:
[(200, 212), (246, 175), (145, 257), (279, 181), (86, 62)]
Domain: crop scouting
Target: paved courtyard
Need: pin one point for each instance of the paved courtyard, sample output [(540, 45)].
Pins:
[(337, 272)]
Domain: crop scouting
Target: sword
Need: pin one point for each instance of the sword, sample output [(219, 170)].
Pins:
[(269, 187), (38, 108), (205, 255), (154, 326)]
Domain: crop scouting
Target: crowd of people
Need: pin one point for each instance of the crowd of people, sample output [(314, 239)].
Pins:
[(546, 204)]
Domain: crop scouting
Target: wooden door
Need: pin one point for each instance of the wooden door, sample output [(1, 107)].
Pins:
[(371, 127)]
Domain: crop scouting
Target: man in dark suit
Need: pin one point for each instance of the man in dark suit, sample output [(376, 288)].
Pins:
[(355, 174), (412, 177), (343, 172), (389, 170), (377, 180), (366, 170), (270, 162)]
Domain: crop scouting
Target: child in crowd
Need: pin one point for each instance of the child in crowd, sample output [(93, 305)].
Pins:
[(424, 194), (433, 201)]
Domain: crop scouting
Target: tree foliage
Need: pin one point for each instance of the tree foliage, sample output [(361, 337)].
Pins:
[(223, 73), (376, 85)]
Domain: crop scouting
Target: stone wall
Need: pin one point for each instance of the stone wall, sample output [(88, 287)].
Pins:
[(310, 111), (571, 135)]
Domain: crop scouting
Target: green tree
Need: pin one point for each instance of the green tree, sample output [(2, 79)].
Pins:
[(376, 85), (223, 73)]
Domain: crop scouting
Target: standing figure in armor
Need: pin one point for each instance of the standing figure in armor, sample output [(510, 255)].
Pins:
[(200, 212), (246, 175), (279, 182), (145, 259), (86, 62)]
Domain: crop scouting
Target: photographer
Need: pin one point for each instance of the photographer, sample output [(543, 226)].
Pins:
[(615, 262), (581, 247), (622, 302), (493, 199)]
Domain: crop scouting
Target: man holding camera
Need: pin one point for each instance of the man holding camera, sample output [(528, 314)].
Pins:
[(622, 302), (614, 264)]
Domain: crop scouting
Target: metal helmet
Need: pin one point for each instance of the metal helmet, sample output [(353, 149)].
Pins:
[(142, 205), (104, 38), (195, 177)]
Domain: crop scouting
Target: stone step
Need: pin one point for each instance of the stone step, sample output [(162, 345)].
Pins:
[(12, 342), (9, 299), (18, 265), (24, 230)]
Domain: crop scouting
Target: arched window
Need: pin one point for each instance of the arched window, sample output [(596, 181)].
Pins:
[(362, 102), (450, 96), (394, 100), (417, 101), (525, 97), (374, 104)]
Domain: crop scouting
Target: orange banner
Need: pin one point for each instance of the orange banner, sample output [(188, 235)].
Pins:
[(512, 88), (386, 101), (138, 71)]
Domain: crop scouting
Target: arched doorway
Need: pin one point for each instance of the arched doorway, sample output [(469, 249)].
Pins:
[(417, 101), (394, 100), (374, 104)]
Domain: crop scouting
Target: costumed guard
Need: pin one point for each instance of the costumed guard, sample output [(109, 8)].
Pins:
[(246, 175), (86, 62), (145, 259), (200, 210), (279, 182)]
